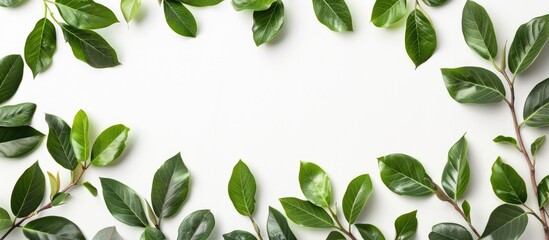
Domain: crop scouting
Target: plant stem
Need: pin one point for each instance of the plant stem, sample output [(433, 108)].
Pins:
[(340, 226), (256, 228), (511, 104), (444, 197), (45, 207)]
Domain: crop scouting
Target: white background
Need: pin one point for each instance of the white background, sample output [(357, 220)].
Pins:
[(338, 99)]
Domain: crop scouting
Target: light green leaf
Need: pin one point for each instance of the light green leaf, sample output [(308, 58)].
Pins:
[(130, 8), (28, 191), (388, 12), (59, 142), (455, 177), (406, 226), (54, 184), (80, 136), (151, 233), (315, 184), (421, 38), (506, 222), (478, 30), (242, 189), (536, 145), (5, 220), (18, 141), (369, 232), (254, 5), (123, 203), (40, 46), (52, 228), (473, 85), (59, 198), (466, 207), (449, 231), (16, 115), (277, 226), (507, 183), (507, 140), (306, 213), (356, 195), (90, 188), (334, 14), (11, 74), (404, 175), (529, 41), (536, 108), (108, 233), (267, 23), (543, 191), (90, 47), (85, 14), (109, 145), (239, 235), (179, 18), (197, 226), (170, 187)]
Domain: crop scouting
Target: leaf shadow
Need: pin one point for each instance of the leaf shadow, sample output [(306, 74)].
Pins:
[(141, 15)]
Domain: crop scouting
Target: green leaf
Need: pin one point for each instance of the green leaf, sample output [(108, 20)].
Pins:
[(18, 141), (52, 228), (306, 213), (334, 14), (506, 222), (130, 9), (473, 85), (404, 175), (54, 184), (455, 177), (315, 184), (59, 142), (11, 74), (536, 145), (90, 47), (242, 189), (152, 233), (109, 145), (254, 5), (335, 235), (16, 115), (5, 220), (435, 3), (369, 232), (40, 46), (267, 23), (466, 209), (421, 38), (536, 108), (543, 191), (507, 140), (85, 14), (507, 183), (356, 195), (406, 226), (449, 231), (10, 3), (80, 136), (388, 12), (179, 18), (201, 3), (529, 41), (108, 233), (478, 30), (170, 187), (239, 235), (277, 226), (90, 188), (123, 203), (28, 191), (59, 198), (197, 226)]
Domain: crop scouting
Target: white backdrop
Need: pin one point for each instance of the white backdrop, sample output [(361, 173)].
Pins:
[(340, 100)]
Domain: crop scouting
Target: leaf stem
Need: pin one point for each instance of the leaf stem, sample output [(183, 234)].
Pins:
[(256, 228), (444, 197), (340, 226), (45, 207), (533, 213)]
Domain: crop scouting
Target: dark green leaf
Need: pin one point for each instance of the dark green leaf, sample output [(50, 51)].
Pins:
[(123, 203), (90, 47), (16, 115), (507, 183), (151, 233), (11, 74), (242, 189), (388, 12), (90, 188), (306, 213), (179, 18), (435, 3), (404, 175), (543, 191), (109, 145), (5, 220), (254, 5), (478, 30), (369, 232), (52, 228), (170, 187), (529, 41), (59, 142), (536, 145), (421, 38), (473, 85), (201, 3), (239, 235), (40, 46), (85, 14), (197, 226), (10, 3), (455, 177), (315, 184), (18, 141), (536, 108), (334, 14), (28, 191), (267, 23), (449, 231), (130, 8), (59, 198), (506, 222), (356, 195), (277, 226), (406, 226), (466, 209), (109, 233), (80, 136), (335, 235), (507, 140)]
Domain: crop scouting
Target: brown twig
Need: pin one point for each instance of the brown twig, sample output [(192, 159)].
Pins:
[(444, 197)]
